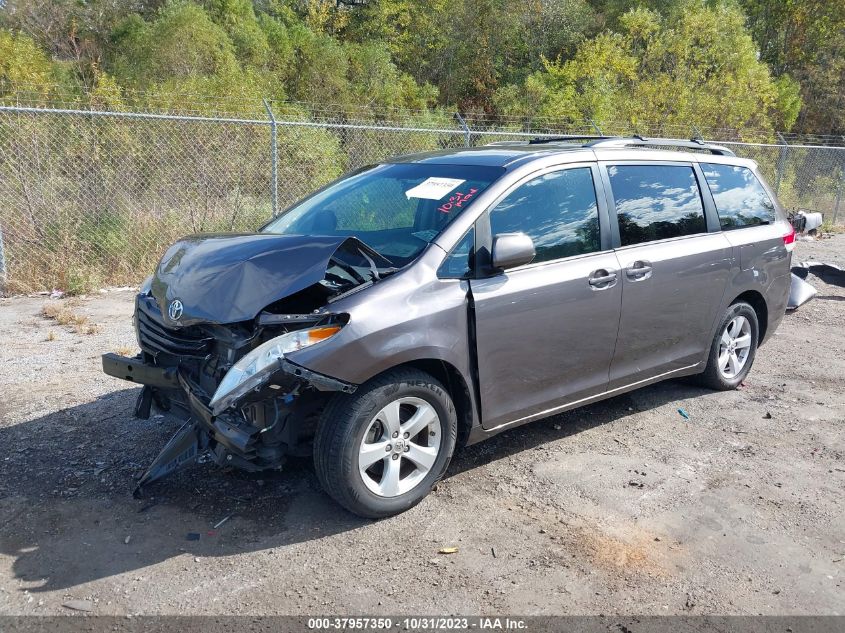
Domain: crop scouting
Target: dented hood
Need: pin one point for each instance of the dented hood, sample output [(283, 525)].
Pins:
[(226, 278)]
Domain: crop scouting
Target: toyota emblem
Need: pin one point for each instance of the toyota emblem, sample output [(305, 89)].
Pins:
[(175, 310)]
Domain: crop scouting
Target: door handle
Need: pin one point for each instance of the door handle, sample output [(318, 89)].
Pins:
[(601, 279), (638, 271)]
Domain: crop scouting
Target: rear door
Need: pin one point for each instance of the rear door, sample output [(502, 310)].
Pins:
[(545, 331), (674, 267)]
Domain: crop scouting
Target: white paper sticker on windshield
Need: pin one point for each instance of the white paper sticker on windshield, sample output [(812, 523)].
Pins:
[(433, 188)]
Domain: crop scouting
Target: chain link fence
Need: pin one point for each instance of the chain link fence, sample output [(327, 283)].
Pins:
[(92, 198)]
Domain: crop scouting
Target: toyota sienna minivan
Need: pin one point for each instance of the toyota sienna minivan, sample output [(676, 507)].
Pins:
[(437, 299)]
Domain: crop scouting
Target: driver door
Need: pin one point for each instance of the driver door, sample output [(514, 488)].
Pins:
[(546, 331)]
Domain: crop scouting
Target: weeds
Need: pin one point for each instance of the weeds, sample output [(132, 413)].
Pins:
[(64, 315), (125, 350), (829, 227), (51, 336)]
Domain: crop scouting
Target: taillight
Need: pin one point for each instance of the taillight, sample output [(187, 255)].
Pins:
[(789, 239)]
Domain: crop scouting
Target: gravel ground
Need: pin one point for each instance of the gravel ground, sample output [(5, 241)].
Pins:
[(620, 507)]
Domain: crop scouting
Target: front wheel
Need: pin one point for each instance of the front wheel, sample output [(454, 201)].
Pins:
[(733, 348), (379, 451)]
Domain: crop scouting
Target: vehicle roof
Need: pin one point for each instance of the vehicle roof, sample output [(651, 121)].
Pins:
[(492, 155), (514, 154)]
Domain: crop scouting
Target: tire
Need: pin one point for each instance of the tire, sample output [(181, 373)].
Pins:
[(359, 427), (729, 376)]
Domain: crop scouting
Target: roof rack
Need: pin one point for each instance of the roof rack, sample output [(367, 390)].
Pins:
[(639, 141), (596, 141), (570, 137)]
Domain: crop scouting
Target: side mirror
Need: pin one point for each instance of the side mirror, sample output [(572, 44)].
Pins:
[(511, 250)]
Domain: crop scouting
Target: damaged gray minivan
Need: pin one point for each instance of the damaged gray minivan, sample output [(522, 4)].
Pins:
[(437, 299)]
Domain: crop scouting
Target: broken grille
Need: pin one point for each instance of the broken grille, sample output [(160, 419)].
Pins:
[(155, 337)]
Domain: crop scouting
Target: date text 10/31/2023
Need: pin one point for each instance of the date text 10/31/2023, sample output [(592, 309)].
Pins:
[(421, 623)]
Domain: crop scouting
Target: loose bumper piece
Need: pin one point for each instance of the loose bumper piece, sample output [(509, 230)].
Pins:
[(231, 439), (135, 370), (800, 292)]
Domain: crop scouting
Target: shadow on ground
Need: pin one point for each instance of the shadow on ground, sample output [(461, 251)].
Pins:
[(67, 515)]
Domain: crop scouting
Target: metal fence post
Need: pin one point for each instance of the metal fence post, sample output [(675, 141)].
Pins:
[(274, 155), (835, 206), (465, 128), (781, 161), (2, 261)]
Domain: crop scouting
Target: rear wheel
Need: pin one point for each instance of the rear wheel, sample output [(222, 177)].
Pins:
[(379, 451), (733, 348)]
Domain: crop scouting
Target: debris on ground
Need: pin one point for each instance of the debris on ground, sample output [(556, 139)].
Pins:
[(828, 273), (127, 539), (79, 605), (193, 536), (684, 414), (448, 550), (222, 521), (800, 292)]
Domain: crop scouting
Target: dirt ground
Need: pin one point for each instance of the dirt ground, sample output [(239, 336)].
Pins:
[(623, 507)]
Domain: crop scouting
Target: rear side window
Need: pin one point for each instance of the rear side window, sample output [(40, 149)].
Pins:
[(655, 202), (557, 210), (739, 196)]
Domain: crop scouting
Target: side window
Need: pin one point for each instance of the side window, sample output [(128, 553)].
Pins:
[(557, 210), (655, 202), (739, 196), (458, 263)]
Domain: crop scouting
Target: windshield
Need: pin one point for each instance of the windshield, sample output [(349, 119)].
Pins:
[(396, 209)]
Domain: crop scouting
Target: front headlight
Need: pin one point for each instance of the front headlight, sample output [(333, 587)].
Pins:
[(256, 366)]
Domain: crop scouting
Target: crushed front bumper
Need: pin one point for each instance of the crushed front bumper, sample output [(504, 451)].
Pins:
[(231, 437), (135, 370)]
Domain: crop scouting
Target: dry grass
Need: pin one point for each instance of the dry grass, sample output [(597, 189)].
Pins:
[(829, 227), (63, 314), (51, 336), (125, 350)]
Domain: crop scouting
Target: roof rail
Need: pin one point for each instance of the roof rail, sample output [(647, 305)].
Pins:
[(504, 143), (596, 141), (569, 137), (639, 141)]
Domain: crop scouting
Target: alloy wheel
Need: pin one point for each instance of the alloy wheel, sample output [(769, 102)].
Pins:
[(399, 447), (734, 347)]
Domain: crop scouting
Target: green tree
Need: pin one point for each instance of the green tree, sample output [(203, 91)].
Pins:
[(805, 40), (239, 20), (697, 66), (181, 42), (23, 65)]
